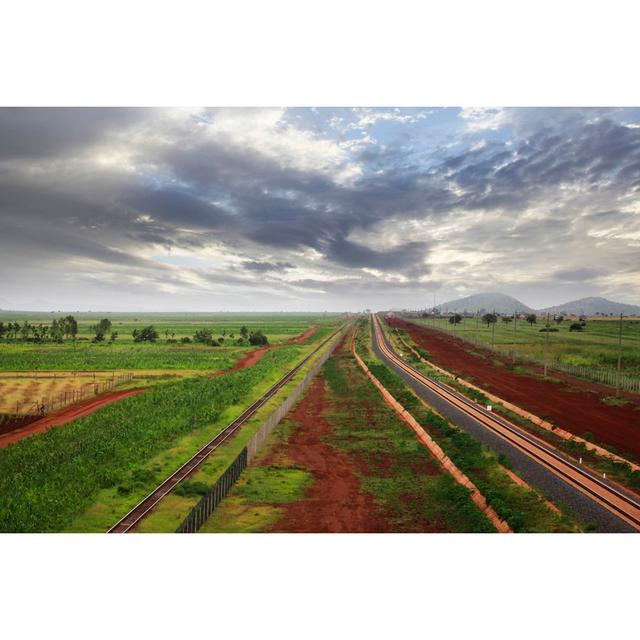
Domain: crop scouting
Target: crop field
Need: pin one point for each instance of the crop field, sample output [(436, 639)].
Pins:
[(49, 479), (19, 391), (596, 346), (167, 352), (31, 370)]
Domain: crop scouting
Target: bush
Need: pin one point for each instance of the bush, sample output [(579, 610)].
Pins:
[(550, 329), (146, 334), (576, 326), (258, 338), (185, 340)]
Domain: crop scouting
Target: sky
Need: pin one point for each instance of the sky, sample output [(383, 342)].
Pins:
[(318, 209)]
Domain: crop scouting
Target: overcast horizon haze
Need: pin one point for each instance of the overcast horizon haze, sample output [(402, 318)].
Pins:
[(305, 209)]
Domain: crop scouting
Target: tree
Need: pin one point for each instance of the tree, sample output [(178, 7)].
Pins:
[(531, 318), (114, 336), (101, 329), (25, 330), (244, 332), (558, 319), (258, 338), (70, 326), (146, 334), (489, 318), (456, 318), (203, 336), (3, 329)]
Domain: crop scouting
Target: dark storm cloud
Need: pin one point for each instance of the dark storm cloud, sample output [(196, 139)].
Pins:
[(180, 190), (42, 132), (408, 256)]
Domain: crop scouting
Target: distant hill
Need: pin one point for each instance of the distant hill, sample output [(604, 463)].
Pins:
[(485, 302), (593, 306)]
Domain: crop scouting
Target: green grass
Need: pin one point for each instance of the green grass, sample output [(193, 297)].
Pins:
[(124, 354), (524, 509), (48, 480), (596, 346)]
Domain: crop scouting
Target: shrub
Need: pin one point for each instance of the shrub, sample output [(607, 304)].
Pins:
[(258, 338), (576, 326), (146, 334)]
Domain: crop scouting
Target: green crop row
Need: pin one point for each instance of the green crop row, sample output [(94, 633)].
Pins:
[(46, 480)]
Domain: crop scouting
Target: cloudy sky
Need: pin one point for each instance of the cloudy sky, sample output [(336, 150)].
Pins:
[(316, 209)]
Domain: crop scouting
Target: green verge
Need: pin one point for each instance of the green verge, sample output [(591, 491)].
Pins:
[(524, 509), (408, 489), (172, 510), (620, 472)]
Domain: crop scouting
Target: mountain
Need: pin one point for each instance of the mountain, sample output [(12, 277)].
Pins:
[(593, 306), (485, 303)]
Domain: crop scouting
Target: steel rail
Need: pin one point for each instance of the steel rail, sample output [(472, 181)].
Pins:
[(135, 515), (615, 501)]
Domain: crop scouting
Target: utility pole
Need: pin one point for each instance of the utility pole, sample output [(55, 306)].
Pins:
[(619, 357), (546, 346), (493, 329), (514, 336)]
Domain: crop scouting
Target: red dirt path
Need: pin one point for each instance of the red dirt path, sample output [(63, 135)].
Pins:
[(251, 358), (334, 503), (84, 408), (575, 406), (65, 415)]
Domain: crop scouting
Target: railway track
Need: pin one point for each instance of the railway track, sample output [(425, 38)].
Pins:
[(582, 479), (133, 518)]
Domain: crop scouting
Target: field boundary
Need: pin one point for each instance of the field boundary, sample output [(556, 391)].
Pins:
[(447, 464), (205, 507), (603, 376), (50, 403)]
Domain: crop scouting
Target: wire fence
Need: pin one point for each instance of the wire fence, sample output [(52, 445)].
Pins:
[(203, 510), (47, 404), (604, 376)]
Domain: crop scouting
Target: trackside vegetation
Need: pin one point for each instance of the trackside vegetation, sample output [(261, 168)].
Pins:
[(524, 509), (48, 479)]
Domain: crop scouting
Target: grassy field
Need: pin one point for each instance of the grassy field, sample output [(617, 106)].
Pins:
[(30, 371), (125, 354), (596, 346)]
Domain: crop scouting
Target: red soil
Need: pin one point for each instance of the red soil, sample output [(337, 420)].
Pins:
[(575, 405), (252, 357), (334, 503), (66, 415)]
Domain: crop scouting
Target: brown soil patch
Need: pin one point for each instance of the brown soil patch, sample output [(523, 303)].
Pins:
[(575, 406), (335, 502), (65, 415)]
